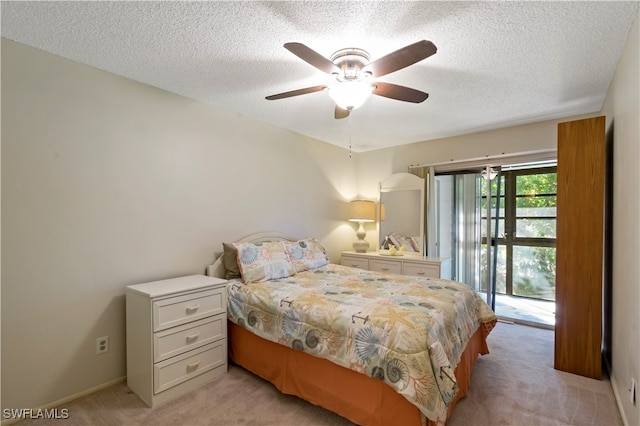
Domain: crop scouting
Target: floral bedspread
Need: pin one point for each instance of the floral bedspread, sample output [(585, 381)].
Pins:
[(407, 331)]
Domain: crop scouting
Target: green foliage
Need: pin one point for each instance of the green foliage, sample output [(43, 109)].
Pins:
[(524, 287), (531, 190), (546, 263)]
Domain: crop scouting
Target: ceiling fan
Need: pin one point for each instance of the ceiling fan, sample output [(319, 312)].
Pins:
[(355, 74)]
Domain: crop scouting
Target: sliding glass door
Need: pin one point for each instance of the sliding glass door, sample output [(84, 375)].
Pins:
[(521, 253), (526, 232)]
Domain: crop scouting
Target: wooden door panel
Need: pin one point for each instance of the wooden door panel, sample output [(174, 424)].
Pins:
[(579, 246)]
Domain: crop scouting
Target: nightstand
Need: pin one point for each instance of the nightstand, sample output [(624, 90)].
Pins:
[(176, 336)]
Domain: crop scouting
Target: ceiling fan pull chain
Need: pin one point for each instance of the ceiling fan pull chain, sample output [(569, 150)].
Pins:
[(349, 135)]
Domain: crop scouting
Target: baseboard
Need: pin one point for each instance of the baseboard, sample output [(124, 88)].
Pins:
[(612, 380), (70, 398)]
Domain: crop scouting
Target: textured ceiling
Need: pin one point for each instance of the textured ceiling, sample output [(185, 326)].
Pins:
[(498, 63)]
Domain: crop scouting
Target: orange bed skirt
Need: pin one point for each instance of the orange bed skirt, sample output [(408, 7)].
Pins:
[(359, 398)]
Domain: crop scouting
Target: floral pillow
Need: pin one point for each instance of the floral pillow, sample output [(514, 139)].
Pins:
[(263, 261), (417, 243), (307, 254), (400, 240)]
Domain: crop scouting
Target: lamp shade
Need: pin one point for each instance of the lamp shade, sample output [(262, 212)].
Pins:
[(351, 94), (362, 211)]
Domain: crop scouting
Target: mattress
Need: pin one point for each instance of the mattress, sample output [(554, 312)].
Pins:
[(407, 332)]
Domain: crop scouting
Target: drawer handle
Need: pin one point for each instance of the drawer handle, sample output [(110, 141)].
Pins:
[(385, 269), (354, 266), (420, 273), (192, 309), (193, 337), (193, 365)]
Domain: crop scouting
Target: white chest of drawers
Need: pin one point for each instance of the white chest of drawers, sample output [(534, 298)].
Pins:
[(176, 336), (407, 264)]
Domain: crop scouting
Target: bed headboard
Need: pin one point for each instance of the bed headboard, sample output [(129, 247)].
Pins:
[(216, 269)]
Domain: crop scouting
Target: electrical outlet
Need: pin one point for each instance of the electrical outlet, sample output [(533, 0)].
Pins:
[(102, 345), (632, 392)]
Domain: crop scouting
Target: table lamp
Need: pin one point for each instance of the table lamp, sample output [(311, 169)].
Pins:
[(361, 211)]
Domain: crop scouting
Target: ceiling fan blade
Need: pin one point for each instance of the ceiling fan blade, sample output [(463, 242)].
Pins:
[(312, 57), (340, 113), (401, 58), (296, 93), (400, 93)]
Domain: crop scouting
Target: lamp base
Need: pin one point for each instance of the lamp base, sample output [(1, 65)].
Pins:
[(361, 246)]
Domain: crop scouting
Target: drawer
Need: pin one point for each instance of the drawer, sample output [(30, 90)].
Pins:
[(174, 371), (179, 310), (421, 270), (386, 266), (355, 262), (177, 340)]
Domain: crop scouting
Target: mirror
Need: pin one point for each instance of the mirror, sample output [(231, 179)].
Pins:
[(401, 210)]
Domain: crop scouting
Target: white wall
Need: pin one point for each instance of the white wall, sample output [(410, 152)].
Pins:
[(107, 182), (622, 109)]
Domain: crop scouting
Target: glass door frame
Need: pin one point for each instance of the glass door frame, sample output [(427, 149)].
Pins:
[(508, 238)]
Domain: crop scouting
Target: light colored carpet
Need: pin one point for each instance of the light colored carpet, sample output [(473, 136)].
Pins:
[(514, 385)]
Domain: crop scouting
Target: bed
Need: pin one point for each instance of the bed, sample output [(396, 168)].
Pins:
[(375, 348)]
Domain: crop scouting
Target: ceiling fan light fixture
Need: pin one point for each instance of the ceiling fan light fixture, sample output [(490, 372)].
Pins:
[(350, 94), (355, 74)]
